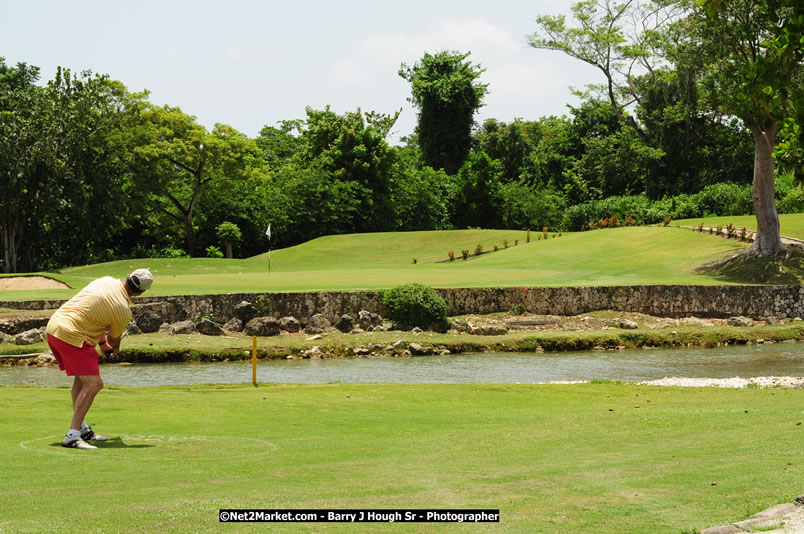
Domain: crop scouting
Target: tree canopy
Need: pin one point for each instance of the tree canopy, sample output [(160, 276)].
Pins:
[(444, 87), (700, 102)]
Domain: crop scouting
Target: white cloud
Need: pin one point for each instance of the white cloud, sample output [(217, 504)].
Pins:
[(170, 50), (345, 71), (473, 33), (461, 35), (249, 53), (526, 79)]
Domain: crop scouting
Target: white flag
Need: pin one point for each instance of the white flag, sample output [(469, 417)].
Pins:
[(268, 232)]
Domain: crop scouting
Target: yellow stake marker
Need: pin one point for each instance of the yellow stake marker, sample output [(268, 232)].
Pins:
[(254, 360)]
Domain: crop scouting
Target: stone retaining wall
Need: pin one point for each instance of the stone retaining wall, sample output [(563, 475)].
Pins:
[(659, 300)]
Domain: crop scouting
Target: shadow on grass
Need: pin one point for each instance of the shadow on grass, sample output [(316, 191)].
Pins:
[(112, 443), (744, 270)]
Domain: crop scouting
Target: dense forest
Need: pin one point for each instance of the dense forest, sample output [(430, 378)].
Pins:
[(678, 127)]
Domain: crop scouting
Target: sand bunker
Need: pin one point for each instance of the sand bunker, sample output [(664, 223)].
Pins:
[(12, 283)]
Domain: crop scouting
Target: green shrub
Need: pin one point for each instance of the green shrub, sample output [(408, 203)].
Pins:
[(724, 199), (231, 236), (170, 252), (412, 305), (214, 252)]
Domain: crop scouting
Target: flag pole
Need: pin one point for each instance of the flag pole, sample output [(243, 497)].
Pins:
[(268, 233)]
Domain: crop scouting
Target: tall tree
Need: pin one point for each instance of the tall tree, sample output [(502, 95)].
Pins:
[(352, 148), (753, 50), (620, 39), (744, 57), (173, 159), (22, 106), (444, 87), (58, 178), (476, 201)]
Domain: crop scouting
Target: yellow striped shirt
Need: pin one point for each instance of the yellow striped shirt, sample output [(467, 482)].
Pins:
[(100, 306)]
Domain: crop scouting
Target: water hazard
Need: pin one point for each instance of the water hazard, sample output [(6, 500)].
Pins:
[(628, 365)]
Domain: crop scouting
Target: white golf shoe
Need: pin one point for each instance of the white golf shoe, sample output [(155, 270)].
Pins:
[(88, 435), (76, 443)]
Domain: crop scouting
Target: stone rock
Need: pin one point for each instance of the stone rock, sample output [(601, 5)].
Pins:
[(209, 328), (311, 330), (368, 319), (695, 321), (164, 328), (362, 351), (182, 328), (532, 320), (319, 321), (4, 337), (132, 329), (346, 323), (45, 359), (262, 326), (313, 353), (29, 337), (357, 331), (233, 325), (658, 326), (416, 330), (441, 328), (628, 324), (290, 324), (148, 321), (460, 325), (417, 349), (314, 338), (16, 325), (489, 330), (245, 311), (740, 321)]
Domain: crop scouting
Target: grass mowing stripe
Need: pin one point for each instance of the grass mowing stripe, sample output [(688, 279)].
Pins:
[(552, 458)]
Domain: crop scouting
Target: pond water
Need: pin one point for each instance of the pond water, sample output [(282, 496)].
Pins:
[(627, 365)]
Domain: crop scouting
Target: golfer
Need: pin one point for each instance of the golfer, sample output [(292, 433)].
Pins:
[(99, 313)]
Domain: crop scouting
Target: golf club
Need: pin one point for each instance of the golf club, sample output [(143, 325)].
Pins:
[(125, 333)]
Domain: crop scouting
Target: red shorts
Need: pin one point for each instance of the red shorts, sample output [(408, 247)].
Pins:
[(76, 361)]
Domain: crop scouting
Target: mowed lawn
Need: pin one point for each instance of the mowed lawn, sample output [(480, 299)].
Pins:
[(604, 458), (622, 256)]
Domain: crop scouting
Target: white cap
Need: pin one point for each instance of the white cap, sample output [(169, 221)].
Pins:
[(142, 279)]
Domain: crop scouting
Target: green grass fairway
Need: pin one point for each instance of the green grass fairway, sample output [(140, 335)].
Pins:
[(641, 255), (604, 458)]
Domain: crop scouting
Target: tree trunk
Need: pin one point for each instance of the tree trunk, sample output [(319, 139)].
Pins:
[(11, 241), (189, 234), (768, 240), (228, 249)]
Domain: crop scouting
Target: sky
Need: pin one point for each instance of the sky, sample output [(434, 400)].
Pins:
[(251, 63)]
